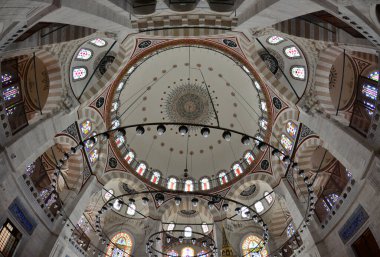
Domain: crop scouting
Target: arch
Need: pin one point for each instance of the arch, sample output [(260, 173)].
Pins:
[(122, 244), (326, 61)]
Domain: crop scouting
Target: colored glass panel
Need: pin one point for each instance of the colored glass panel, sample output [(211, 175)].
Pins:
[(237, 169), (84, 54), (93, 156), (85, 128), (298, 72), (292, 52), (119, 140), (189, 186), (291, 129), (155, 177), (251, 247), (370, 91), (274, 40), (129, 157), (79, 73), (6, 79), (187, 252), (290, 230), (374, 76), (98, 42), (10, 93), (263, 124), (188, 232), (172, 184), (202, 254), (141, 169), (205, 184), (286, 142), (223, 178), (121, 246), (249, 158)]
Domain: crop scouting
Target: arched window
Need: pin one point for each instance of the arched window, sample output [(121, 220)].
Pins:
[(117, 204), (121, 246), (187, 252), (292, 52), (131, 209), (171, 226), (89, 144), (205, 183), (275, 40), (237, 169), (251, 245), (263, 106), (290, 230), (263, 123), (115, 124), (257, 85), (172, 183), (84, 54), (374, 76), (119, 140), (286, 142), (298, 72), (172, 253), (79, 73), (188, 232), (114, 106), (259, 207), (291, 129), (98, 42), (204, 227), (108, 194), (156, 175), (248, 157), (244, 212), (268, 197), (189, 185), (129, 157), (141, 169), (93, 156), (223, 179), (259, 137), (85, 128), (202, 254)]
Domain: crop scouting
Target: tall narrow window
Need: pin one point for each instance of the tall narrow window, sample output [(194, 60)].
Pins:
[(9, 238), (290, 230), (204, 227), (172, 183), (85, 128), (248, 157), (117, 204), (129, 157), (205, 183), (222, 178), (10, 93), (131, 209), (189, 185), (298, 72), (156, 175), (263, 123), (275, 40), (286, 142), (188, 232), (141, 169), (171, 226), (292, 52), (93, 156), (123, 243), (259, 207), (119, 140), (291, 129), (237, 169)]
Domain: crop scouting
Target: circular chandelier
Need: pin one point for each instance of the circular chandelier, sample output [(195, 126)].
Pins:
[(182, 235)]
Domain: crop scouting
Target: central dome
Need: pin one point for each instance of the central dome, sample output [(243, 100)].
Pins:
[(189, 103), (192, 84)]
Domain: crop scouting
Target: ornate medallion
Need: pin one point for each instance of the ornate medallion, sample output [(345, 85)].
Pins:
[(145, 44), (229, 43), (277, 103), (99, 102), (112, 162), (264, 165)]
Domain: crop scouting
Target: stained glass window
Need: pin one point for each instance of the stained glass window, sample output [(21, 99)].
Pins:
[(115, 106), (298, 72), (119, 140), (259, 137), (6, 79), (286, 142), (370, 91), (292, 52), (251, 247), (291, 129), (202, 254), (374, 76), (249, 158), (332, 199), (129, 157), (264, 106), (204, 227), (172, 183), (156, 175), (259, 207), (131, 209), (205, 184), (244, 212), (188, 232), (268, 197), (187, 252), (91, 143), (189, 186), (141, 169), (79, 73), (222, 178), (275, 40), (108, 194), (10, 93), (98, 42), (263, 123), (117, 204), (121, 246), (290, 230), (93, 156), (172, 253), (237, 169), (115, 124), (84, 54), (85, 128)]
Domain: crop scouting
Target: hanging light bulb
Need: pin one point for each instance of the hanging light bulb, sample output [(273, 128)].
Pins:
[(161, 129), (237, 210), (204, 243), (210, 205), (194, 201), (140, 130), (145, 200), (261, 146), (180, 239), (193, 241), (286, 160), (158, 239), (177, 200), (183, 130), (168, 239), (276, 152), (245, 140), (227, 135), (205, 132), (225, 207)]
